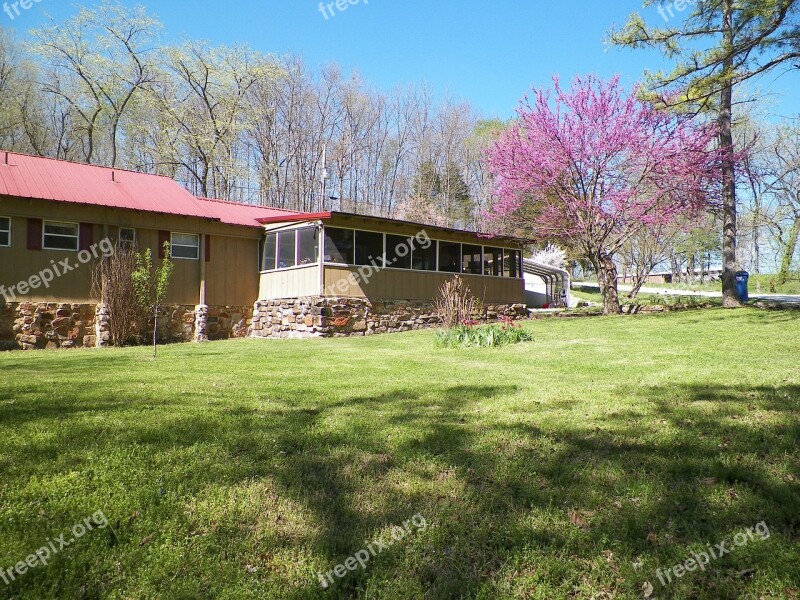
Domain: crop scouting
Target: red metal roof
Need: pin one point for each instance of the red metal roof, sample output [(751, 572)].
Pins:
[(290, 217), (38, 178), (250, 215)]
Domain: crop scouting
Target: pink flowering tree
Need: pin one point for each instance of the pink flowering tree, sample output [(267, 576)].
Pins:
[(591, 167)]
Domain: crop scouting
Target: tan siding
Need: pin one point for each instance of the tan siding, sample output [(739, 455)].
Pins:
[(232, 275), (18, 264), (393, 284), (292, 283)]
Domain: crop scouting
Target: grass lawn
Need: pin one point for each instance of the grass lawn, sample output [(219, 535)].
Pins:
[(574, 466), (593, 295)]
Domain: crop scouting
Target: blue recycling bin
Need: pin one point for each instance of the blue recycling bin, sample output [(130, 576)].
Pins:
[(742, 277)]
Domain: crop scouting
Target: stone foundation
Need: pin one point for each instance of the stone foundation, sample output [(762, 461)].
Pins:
[(341, 317), (40, 326)]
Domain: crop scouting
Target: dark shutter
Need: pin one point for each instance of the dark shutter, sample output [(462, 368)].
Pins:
[(86, 238), (34, 234), (208, 248), (163, 238)]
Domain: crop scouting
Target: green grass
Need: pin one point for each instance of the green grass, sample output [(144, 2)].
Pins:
[(570, 467), (593, 295)]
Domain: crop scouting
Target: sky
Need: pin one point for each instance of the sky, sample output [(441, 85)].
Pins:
[(486, 52)]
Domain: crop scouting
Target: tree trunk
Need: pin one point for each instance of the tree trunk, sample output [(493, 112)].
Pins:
[(730, 298), (673, 265), (788, 252), (155, 334), (595, 260), (756, 237), (610, 294), (638, 283)]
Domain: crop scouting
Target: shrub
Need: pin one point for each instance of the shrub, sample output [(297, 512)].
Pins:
[(112, 282), (455, 303), (467, 334)]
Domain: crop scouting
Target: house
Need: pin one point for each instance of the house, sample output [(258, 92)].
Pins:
[(710, 273), (240, 269)]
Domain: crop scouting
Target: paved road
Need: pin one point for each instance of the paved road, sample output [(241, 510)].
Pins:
[(672, 292)]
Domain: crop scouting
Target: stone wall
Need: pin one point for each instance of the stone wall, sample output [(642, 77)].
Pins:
[(39, 326), (341, 317), (35, 326)]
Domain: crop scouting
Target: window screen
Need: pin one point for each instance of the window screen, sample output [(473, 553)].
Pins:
[(493, 262), (424, 259), (369, 248), (339, 245), (398, 251), (450, 257), (472, 259), (287, 249), (270, 255), (307, 246)]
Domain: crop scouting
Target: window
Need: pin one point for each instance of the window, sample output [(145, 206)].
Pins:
[(127, 236), (270, 254), (493, 262), (424, 259), (60, 236), (5, 231), (511, 263), (185, 246), (307, 245), (450, 257), (398, 251), (472, 259), (369, 248), (339, 245), (287, 249)]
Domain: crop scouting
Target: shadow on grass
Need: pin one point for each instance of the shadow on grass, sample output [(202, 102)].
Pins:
[(512, 504)]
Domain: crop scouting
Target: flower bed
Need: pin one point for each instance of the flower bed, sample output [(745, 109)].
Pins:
[(468, 334)]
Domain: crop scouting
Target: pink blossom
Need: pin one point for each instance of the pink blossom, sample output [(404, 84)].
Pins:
[(594, 166)]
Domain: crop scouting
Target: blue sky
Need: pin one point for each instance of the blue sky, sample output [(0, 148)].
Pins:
[(487, 52)]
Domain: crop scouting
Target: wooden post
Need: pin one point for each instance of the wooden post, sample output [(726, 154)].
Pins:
[(202, 269)]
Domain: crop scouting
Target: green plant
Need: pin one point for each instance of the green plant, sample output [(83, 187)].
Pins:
[(467, 335), (455, 303), (113, 283), (151, 285)]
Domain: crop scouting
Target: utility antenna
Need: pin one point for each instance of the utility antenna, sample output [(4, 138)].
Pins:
[(325, 174)]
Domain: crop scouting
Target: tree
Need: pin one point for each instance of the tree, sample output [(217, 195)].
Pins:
[(784, 186), (643, 251), (552, 255), (151, 285), (203, 94), (748, 38), (592, 168), (99, 60)]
